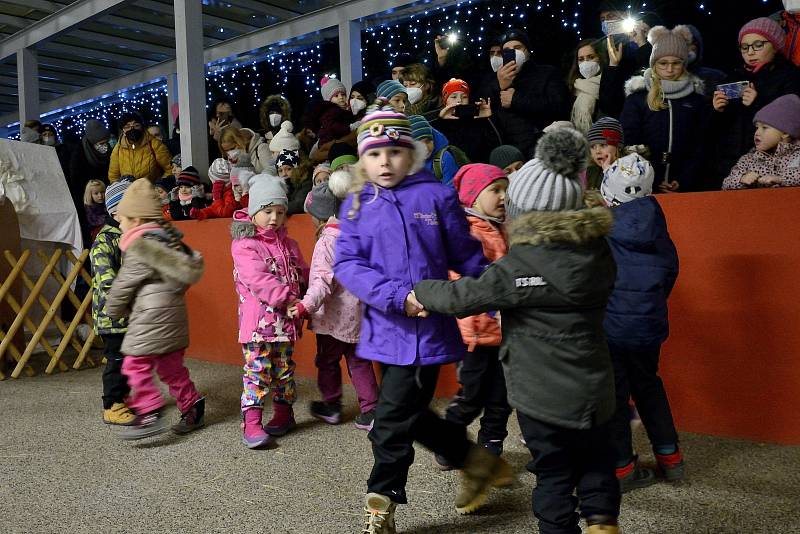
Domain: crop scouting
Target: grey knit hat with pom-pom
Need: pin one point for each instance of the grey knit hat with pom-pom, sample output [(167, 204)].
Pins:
[(550, 181)]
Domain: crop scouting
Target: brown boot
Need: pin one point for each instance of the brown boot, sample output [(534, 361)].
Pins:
[(481, 471)]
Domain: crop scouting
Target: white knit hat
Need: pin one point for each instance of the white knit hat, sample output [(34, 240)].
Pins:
[(220, 170), (627, 179), (266, 190), (284, 140), (550, 181)]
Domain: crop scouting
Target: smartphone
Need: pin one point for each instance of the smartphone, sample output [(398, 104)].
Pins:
[(615, 27), (444, 41), (466, 111), (733, 90), (509, 55)]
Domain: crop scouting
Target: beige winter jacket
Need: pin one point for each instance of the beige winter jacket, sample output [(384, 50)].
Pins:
[(150, 289)]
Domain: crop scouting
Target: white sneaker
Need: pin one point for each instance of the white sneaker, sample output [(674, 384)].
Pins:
[(379, 512)]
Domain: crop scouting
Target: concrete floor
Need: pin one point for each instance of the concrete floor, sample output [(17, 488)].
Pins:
[(62, 470)]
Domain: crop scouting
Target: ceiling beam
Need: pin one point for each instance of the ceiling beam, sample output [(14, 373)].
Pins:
[(61, 87), (95, 33), (80, 51), (40, 5), (54, 24), (258, 8), (209, 21), (48, 75), (55, 63)]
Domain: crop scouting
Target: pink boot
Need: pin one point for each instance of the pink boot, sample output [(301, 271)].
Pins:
[(254, 435), (282, 419)]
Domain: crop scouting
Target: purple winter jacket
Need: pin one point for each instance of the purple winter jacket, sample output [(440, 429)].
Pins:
[(414, 231)]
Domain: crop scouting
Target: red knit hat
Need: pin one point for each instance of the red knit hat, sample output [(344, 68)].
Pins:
[(454, 86), (471, 179), (766, 28)]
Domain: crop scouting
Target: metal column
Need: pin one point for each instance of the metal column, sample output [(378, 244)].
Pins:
[(191, 84), (350, 52), (27, 85)]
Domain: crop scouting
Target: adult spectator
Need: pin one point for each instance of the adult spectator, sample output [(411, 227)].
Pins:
[(362, 95), (588, 63), (31, 132), (452, 61), (273, 111), (137, 153), (156, 132), (222, 115), (49, 137), (711, 77), (89, 161), (420, 85), (526, 97), (399, 64)]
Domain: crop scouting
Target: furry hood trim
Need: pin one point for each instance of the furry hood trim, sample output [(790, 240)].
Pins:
[(637, 85), (182, 266), (546, 227)]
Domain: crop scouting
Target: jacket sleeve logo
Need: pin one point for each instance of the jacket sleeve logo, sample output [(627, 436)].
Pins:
[(530, 281)]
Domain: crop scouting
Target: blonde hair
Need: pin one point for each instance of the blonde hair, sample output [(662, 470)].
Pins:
[(231, 134), (361, 178), (655, 97), (91, 187)]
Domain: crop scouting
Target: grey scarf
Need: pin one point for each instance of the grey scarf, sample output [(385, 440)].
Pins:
[(673, 89)]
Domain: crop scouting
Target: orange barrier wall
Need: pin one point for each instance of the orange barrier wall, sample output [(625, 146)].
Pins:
[(732, 363)]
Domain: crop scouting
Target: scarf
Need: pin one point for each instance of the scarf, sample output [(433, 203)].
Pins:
[(587, 91), (94, 159), (135, 233), (185, 198), (673, 89)]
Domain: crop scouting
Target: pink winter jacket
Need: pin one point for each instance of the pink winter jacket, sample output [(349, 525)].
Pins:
[(333, 309), (269, 274)]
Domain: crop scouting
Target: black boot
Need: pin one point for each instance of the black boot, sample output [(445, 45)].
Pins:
[(192, 419)]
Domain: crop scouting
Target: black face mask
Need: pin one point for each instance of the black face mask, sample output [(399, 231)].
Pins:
[(466, 111), (134, 135)]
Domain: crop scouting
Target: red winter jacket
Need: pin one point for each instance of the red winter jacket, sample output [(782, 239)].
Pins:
[(223, 205)]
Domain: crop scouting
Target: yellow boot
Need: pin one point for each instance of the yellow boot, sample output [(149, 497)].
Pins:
[(118, 414), (603, 529)]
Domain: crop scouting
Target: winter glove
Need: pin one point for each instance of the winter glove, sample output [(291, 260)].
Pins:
[(197, 214), (217, 190), (173, 195), (198, 191)]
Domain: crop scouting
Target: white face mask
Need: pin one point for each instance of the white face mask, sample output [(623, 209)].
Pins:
[(414, 94), (356, 105), (519, 57), (49, 141), (589, 69), (792, 6), (275, 119), (496, 62)]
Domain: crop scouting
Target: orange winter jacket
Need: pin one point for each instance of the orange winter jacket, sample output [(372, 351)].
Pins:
[(483, 329)]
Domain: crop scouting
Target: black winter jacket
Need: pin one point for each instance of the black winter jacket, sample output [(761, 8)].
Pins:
[(540, 97), (551, 290), (476, 137)]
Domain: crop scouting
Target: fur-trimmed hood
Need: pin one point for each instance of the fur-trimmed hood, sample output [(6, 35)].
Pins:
[(546, 227), (286, 111), (243, 227), (637, 84), (182, 266)]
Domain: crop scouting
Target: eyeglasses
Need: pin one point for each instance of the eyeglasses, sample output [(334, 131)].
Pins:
[(669, 64), (757, 46)]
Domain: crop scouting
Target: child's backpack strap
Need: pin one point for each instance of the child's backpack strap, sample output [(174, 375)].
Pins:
[(458, 155)]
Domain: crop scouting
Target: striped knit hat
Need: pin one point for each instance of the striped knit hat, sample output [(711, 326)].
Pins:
[(384, 127), (114, 194), (389, 88), (606, 131), (189, 177), (420, 127), (550, 181)]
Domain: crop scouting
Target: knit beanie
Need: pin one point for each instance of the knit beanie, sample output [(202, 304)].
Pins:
[(387, 89), (95, 131), (266, 190), (505, 155), (384, 127), (140, 201), (473, 178), (343, 160), (167, 183), (288, 157), (766, 28), (514, 34), (606, 131), (331, 86), (783, 114), (176, 160), (321, 168), (668, 43), (550, 181), (220, 171), (627, 179), (454, 86), (420, 128), (114, 193), (284, 140), (189, 177), (364, 88), (322, 203)]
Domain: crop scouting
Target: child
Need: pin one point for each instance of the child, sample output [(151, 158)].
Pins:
[(444, 159), (552, 289), (322, 173), (270, 275), (606, 142), (188, 195), (106, 259), (468, 125), (94, 203), (636, 322), (164, 187), (224, 203), (775, 160), (482, 190), (334, 115), (335, 318), (402, 225), (392, 93), (507, 157), (770, 74), (286, 161), (150, 289)]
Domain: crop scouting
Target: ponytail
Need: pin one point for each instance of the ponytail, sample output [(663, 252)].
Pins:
[(173, 237), (655, 97)]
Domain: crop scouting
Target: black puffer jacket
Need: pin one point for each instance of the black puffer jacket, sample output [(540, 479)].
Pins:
[(551, 289), (540, 97)]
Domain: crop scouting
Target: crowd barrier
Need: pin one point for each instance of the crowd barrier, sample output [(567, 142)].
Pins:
[(732, 363)]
